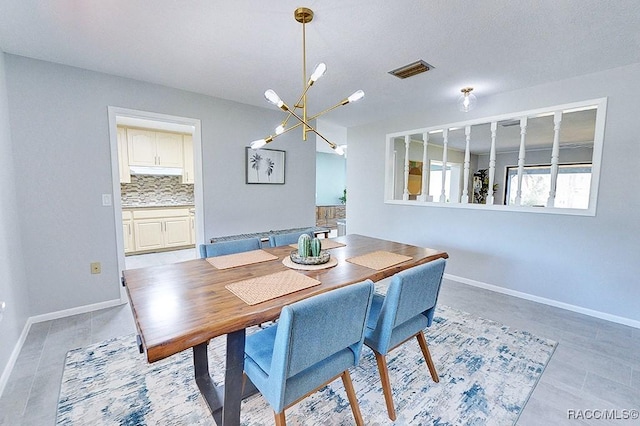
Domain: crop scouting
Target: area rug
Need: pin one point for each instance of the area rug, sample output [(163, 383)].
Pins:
[(487, 373)]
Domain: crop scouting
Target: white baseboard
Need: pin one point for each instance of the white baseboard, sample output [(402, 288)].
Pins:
[(14, 356), (6, 372), (579, 309), (75, 311)]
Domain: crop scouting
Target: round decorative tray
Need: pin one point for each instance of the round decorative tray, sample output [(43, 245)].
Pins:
[(310, 260)]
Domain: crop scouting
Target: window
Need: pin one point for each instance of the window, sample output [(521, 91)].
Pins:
[(452, 181), (558, 149), (572, 187)]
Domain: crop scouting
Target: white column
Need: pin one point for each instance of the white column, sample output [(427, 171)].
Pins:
[(467, 161), (492, 162), (555, 157), (424, 193), (521, 154), (407, 142), (445, 135)]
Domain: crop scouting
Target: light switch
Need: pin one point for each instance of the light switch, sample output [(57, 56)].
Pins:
[(106, 199), (2, 306)]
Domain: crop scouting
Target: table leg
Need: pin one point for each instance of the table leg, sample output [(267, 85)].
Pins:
[(233, 378), (208, 390), (224, 401)]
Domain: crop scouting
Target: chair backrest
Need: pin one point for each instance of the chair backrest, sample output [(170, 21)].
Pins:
[(412, 292), (276, 240), (314, 329), (229, 247)]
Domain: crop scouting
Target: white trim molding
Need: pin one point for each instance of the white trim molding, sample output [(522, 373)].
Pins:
[(4, 378), (569, 307), (161, 121)]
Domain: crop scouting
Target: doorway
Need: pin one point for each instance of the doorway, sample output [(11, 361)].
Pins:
[(120, 118)]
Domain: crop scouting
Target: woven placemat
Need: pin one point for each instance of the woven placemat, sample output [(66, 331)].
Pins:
[(240, 259), (326, 244), (379, 259), (291, 264), (260, 289)]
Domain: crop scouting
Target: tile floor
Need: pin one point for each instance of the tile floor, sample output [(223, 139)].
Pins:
[(596, 365)]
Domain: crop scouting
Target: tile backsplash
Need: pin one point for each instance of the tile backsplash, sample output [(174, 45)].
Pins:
[(156, 191)]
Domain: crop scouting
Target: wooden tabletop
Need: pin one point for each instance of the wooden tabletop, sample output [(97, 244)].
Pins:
[(181, 305)]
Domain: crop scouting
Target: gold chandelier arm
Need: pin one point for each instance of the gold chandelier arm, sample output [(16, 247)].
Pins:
[(339, 104), (270, 138), (298, 104), (304, 92), (295, 126), (331, 144)]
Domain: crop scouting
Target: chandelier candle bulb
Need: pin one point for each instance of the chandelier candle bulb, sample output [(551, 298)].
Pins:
[(318, 72), (273, 97), (356, 96), (260, 143)]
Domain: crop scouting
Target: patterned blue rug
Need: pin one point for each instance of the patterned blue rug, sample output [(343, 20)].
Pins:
[(487, 373)]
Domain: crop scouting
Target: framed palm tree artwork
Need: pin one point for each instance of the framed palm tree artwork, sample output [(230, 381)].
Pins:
[(265, 166)]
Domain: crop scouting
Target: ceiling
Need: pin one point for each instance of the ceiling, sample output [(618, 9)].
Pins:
[(237, 49)]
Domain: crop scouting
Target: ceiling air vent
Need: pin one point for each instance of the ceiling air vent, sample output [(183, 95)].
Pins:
[(412, 69)]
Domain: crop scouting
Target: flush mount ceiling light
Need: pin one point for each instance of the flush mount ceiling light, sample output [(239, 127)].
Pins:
[(303, 15), (467, 100)]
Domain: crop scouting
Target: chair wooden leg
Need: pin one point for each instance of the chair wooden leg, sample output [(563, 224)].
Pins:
[(427, 356), (351, 394), (280, 420), (386, 384)]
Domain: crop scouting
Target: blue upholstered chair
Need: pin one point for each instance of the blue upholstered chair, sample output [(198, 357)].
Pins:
[(276, 240), (402, 314), (229, 247), (314, 342)]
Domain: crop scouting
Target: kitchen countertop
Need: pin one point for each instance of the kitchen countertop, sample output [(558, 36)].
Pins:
[(158, 206)]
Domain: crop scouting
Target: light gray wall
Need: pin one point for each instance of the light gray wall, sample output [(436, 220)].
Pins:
[(589, 262), (61, 157), (13, 284)]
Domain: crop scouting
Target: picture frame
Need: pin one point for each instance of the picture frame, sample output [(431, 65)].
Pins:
[(265, 166)]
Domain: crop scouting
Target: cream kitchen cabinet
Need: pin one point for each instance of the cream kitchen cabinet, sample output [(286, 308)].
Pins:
[(156, 229), (127, 231), (151, 148), (188, 171), (123, 156)]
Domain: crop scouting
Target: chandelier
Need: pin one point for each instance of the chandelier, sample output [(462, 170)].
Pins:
[(299, 111)]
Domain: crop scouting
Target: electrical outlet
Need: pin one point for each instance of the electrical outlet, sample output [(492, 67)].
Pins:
[(96, 268)]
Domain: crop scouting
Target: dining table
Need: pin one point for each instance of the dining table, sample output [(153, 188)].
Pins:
[(182, 306)]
